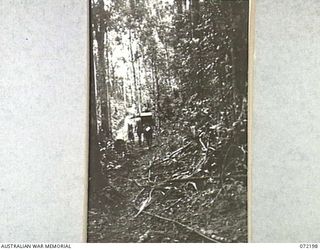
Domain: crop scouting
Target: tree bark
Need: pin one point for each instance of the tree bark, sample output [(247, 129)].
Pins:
[(133, 67), (101, 67)]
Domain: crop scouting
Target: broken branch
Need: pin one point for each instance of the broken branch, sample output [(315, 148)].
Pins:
[(182, 225)]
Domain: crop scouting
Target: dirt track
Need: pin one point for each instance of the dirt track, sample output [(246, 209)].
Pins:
[(114, 217)]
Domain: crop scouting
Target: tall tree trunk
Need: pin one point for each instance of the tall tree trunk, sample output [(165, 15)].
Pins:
[(94, 152), (156, 90), (110, 79), (140, 81), (93, 135), (133, 67), (198, 78), (195, 16), (101, 71)]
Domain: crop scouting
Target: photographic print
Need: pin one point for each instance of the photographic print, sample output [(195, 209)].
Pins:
[(168, 121)]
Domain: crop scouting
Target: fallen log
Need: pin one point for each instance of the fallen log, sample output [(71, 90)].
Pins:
[(160, 186), (172, 205), (202, 178), (169, 157), (182, 225)]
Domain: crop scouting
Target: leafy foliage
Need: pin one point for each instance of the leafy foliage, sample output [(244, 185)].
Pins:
[(188, 64)]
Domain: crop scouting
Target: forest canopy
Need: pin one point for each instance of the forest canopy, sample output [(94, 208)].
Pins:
[(184, 63), (149, 52)]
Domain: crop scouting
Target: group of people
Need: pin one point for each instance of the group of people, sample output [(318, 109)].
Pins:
[(143, 131)]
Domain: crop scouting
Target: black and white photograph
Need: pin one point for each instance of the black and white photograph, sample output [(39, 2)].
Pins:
[(168, 151)]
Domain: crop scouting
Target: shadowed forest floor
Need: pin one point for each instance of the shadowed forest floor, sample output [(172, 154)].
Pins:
[(144, 200), (177, 70)]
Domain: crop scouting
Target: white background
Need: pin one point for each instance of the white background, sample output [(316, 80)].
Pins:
[(286, 122), (44, 121)]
